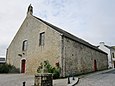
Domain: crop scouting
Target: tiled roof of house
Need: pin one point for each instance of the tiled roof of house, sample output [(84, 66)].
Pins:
[(70, 36)]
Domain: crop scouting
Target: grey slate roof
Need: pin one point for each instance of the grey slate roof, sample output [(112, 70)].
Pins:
[(110, 47), (70, 36)]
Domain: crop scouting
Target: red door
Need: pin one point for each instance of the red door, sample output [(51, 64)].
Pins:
[(23, 64), (95, 65)]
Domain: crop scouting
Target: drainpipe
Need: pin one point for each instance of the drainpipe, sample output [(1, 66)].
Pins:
[(62, 49), (62, 57)]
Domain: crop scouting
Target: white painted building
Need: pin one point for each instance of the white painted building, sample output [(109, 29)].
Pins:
[(111, 54)]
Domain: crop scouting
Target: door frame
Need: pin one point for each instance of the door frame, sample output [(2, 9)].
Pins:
[(23, 59), (95, 65)]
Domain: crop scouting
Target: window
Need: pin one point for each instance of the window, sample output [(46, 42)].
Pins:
[(42, 39), (113, 55), (24, 46)]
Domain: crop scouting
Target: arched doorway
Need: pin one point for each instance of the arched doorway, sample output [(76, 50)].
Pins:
[(23, 65)]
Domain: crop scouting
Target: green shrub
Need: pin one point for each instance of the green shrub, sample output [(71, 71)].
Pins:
[(7, 68), (13, 69), (46, 67), (56, 73), (4, 68)]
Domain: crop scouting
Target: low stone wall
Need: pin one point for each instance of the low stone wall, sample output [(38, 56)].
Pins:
[(43, 79)]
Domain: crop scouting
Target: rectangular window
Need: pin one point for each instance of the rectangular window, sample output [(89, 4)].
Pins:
[(42, 39)]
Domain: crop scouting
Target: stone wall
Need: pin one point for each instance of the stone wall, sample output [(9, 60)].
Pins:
[(80, 58)]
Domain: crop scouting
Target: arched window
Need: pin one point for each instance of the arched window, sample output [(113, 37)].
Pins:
[(24, 46)]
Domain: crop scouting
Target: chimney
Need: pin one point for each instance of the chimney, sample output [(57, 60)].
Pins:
[(102, 43), (30, 10)]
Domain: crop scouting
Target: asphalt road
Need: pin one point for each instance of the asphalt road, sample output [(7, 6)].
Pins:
[(106, 78)]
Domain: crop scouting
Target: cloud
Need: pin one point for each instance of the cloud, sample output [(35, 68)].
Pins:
[(91, 20)]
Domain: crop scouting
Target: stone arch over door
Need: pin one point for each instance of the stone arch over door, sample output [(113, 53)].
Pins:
[(23, 66)]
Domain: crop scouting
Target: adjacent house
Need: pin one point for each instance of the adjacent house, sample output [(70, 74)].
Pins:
[(38, 40), (110, 50)]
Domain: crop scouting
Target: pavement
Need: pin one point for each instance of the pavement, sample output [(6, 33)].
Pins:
[(18, 79), (64, 82), (73, 81), (101, 78)]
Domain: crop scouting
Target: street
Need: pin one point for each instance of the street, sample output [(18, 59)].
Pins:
[(16, 79), (98, 79), (102, 78)]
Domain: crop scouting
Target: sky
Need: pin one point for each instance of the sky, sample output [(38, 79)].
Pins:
[(91, 20)]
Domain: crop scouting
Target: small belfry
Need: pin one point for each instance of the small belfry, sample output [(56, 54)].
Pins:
[(30, 10)]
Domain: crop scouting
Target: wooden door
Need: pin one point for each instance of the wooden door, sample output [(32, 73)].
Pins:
[(95, 65), (23, 64)]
